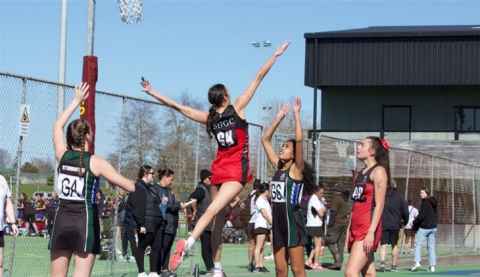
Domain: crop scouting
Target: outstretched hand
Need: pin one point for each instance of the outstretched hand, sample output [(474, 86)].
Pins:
[(146, 86), (280, 50), (297, 105), (81, 92), (283, 111)]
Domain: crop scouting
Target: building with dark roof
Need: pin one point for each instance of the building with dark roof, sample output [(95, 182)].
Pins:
[(409, 82)]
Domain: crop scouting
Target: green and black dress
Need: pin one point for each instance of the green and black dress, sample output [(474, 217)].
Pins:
[(76, 227)]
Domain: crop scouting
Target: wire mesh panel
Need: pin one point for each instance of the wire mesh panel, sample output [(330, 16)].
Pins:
[(131, 132), (452, 183)]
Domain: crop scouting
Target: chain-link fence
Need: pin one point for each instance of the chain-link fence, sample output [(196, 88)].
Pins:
[(454, 184), (132, 132), (129, 132)]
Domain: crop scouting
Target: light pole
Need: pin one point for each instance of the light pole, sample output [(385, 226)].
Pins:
[(261, 159), (266, 110), (259, 44)]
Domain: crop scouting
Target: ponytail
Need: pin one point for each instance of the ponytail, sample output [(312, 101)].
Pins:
[(216, 97), (382, 157)]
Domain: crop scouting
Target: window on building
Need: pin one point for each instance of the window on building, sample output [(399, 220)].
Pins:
[(397, 118), (467, 119)]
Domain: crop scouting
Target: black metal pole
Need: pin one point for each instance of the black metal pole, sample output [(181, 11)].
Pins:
[(314, 134)]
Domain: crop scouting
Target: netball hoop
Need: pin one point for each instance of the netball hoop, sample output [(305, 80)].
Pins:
[(131, 11)]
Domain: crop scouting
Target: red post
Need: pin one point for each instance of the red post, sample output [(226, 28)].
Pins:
[(90, 76)]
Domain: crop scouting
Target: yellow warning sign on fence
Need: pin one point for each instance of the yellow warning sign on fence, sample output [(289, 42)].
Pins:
[(25, 113), (24, 119)]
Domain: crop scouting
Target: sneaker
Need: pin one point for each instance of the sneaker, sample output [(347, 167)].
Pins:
[(251, 267), (143, 274), (415, 267), (432, 269), (218, 273), (394, 268), (177, 257), (317, 267), (382, 267), (257, 270), (334, 267), (153, 274), (264, 269)]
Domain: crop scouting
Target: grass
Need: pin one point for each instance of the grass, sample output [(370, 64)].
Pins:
[(32, 260)]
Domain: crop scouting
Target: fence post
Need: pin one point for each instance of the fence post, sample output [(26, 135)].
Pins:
[(408, 174), (355, 158), (197, 149), (432, 180), (452, 173), (259, 152), (317, 158), (17, 177), (474, 196)]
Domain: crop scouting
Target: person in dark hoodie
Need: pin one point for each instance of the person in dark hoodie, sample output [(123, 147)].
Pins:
[(127, 226), (169, 208), (143, 207), (202, 199), (426, 224), (337, 225), (395, 215)]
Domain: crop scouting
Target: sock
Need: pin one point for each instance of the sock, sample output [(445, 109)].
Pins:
[(189, 244), (217, 265)]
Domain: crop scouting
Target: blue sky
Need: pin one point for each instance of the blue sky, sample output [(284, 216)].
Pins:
[(192, 44)]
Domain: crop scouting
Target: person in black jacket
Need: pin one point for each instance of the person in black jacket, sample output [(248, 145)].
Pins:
[(337, 225), (169, 208), (395, 215), (201, 198), (127, 226), (426, 224), (143, 207)]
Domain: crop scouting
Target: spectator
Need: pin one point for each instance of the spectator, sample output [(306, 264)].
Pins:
[(263, 224), (315, 212), (426, 224), (126, 227), (29, 216), (21, 209), (170, 208), (395, 215), (201, 200), (337, 226), (52, 206), (409, 232), (144, 207)]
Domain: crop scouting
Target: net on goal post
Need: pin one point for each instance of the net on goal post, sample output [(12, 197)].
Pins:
[(131, 11)]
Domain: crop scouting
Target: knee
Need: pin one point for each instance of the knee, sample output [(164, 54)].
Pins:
[(281, 272), (350, 272), (298, 270)]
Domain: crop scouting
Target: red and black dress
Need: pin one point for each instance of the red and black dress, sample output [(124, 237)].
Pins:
[(363, 197), (232, 161)]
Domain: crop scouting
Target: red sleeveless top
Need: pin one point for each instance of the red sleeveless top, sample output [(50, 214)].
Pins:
[(363, 197), (232, 161)]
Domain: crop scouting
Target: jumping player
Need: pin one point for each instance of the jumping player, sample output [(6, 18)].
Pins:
[(287, 187), (365, 230), (76, 229), (226, 122)]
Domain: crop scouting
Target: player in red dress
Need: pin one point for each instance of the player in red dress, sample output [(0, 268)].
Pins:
[(365, 230), (225, 121)]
